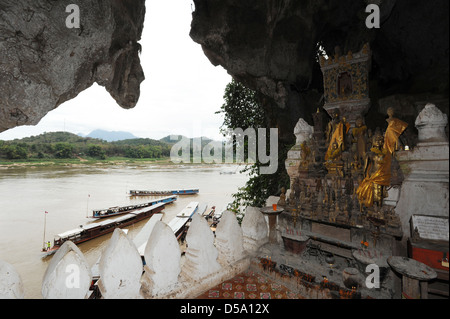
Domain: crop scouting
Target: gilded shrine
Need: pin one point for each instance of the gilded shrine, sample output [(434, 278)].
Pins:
[(334, 214)]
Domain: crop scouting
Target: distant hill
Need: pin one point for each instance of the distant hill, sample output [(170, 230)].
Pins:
[(57, 137), (167, 139), (111, 136), (60, 145)]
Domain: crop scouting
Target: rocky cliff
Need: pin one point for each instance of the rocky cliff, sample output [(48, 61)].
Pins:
[(269, 45), (272, 46), (44, 63)]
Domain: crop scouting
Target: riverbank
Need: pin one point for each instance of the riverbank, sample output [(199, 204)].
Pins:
[(69, 162), (86, 161)]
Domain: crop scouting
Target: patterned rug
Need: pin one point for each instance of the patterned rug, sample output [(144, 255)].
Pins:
[(249, 285)]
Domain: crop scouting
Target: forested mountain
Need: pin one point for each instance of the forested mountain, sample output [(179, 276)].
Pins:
[(68, 145)]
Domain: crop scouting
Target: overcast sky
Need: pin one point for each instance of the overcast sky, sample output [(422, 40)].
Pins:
[(180, 94)]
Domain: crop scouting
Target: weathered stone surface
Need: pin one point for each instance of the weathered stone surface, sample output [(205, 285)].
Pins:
[(229, 239), (272, 200), (120, 268), (43, 63), (302, 131), (68, 276), (254, 228), (426, 170), (271, 47), (11, 286), (431, 124), (162, 256), (201, 254)]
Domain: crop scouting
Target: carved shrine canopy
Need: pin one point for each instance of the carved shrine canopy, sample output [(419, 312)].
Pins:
[(346, 82)]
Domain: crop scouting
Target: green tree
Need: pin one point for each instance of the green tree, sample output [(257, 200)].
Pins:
[(242, 109), (96, 151), (15, 151), (63, 150)]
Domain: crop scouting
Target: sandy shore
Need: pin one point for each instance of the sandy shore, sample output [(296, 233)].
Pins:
[(81, 162)]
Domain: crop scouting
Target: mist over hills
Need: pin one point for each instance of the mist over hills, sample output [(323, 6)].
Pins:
[(110, 136)]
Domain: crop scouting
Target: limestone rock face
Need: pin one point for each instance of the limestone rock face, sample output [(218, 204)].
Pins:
[(271, 47), (43, 63)]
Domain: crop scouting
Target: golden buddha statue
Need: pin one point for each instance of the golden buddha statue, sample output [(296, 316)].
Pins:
[(377, 174), (334, 152), (337, 131), (334, 163), (395, 128)]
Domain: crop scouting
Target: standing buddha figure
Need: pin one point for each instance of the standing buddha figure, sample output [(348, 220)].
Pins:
[(377, 174), (337, 131), (395, 128)]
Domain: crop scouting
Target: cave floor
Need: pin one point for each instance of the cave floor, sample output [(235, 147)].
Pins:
[(250, 285)]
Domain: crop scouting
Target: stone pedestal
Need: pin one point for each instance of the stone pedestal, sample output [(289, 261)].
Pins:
[(426, 169), (272, 215), (414, 275)]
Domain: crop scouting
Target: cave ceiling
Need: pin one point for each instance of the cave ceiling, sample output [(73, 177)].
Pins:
[(269, 45)]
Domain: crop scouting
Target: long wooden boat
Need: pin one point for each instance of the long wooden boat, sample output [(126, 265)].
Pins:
[(191, 191), (114, 211), (97, 229), (178, 223)]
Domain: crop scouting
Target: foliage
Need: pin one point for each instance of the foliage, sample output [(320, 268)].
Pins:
[(63, 150), (242, 110), (13, 152), (64, 145), (96, 151)]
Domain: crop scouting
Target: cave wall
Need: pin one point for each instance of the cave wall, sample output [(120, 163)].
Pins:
[(268, 45), (43, 63), (271, 46)]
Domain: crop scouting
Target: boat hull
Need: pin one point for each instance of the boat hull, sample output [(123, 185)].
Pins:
[(164, 193), (116, 211), (106, 228)]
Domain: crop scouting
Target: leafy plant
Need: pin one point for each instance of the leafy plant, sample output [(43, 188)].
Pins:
[(242, 109)]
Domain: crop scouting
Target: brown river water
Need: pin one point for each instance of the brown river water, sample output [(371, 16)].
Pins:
[(69, 194)]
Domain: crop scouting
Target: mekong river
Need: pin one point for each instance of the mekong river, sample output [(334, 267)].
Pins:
[(69, 194)]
